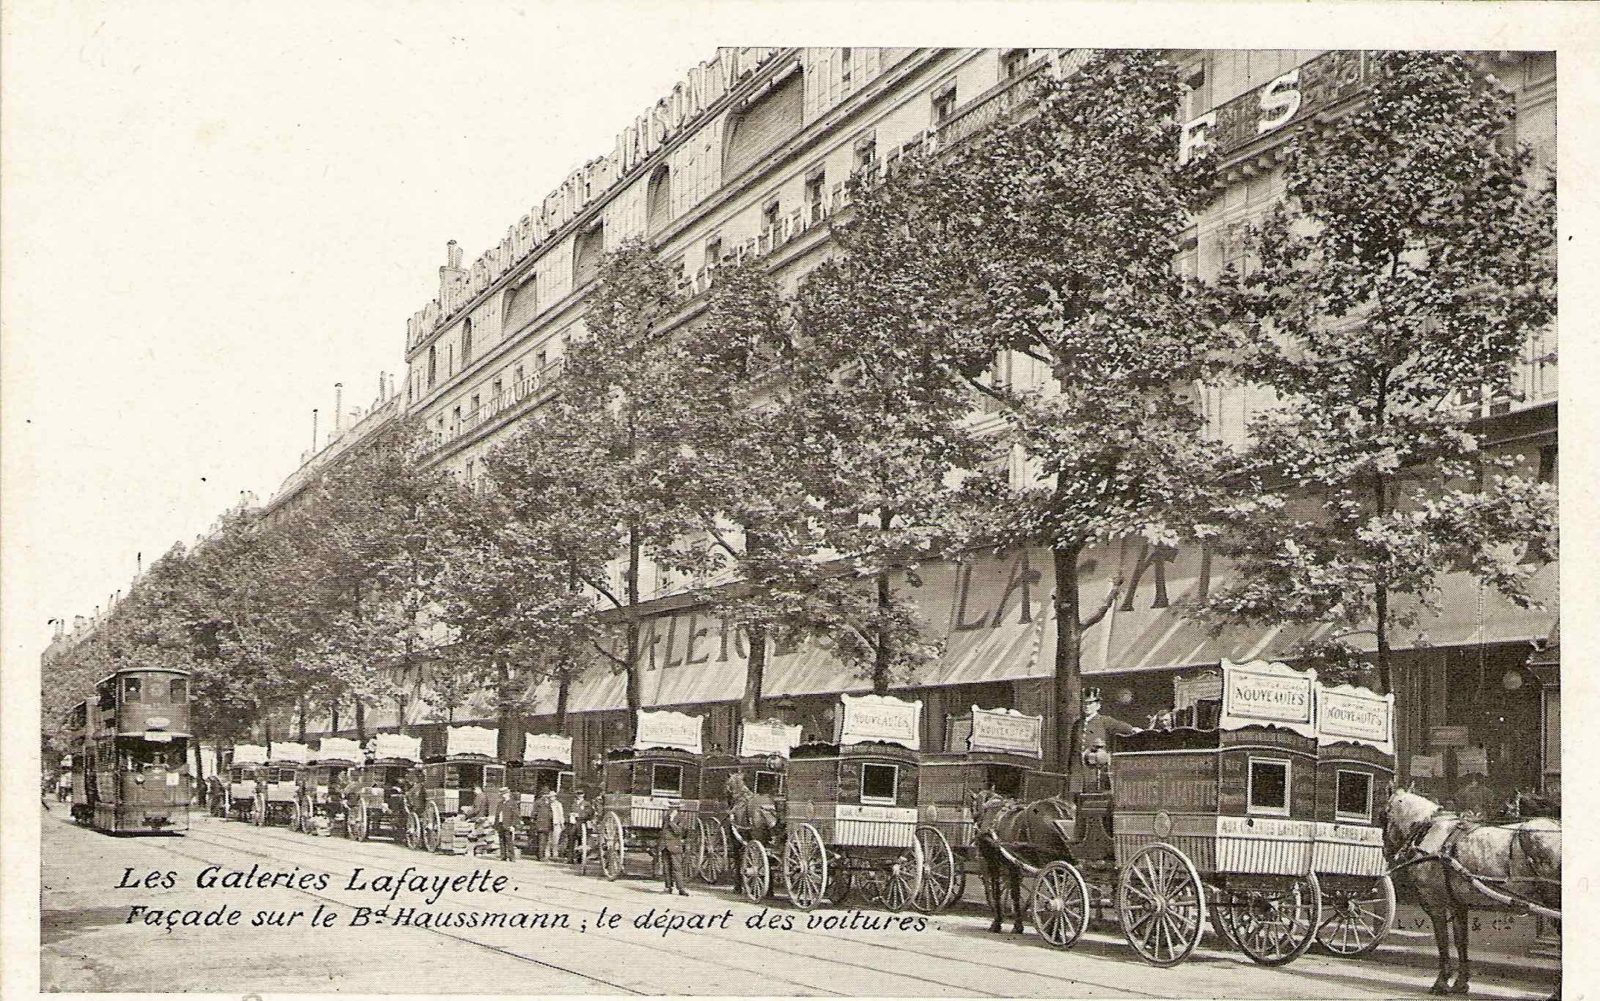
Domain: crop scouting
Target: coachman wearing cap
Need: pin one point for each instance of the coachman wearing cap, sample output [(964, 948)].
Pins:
[(1095, 730)]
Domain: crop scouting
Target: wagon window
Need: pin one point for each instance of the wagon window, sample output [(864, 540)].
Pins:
[(878, 783), (1269, 787), (566, 782), (1353, 796), (769, 783), (495, 776), (179, 690), (130, 689), (235, 774), (666, 780)]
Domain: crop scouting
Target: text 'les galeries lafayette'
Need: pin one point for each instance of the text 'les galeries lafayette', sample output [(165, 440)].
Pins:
[(389, 885)]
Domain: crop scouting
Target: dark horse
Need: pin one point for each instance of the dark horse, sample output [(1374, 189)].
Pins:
[(1520, 860), (1000, 820), (751, 814)]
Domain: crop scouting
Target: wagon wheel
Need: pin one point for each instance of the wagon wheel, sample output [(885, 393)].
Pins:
[(1355, 921), (1059, 905), (258, 811), (612, 851), (755, 872), (805, 867), (296, 818), (1220, 910), (413, 835), (939, 874), (1274, 927), (717, 859), (432, 828), (904, 878), (1161, 904)]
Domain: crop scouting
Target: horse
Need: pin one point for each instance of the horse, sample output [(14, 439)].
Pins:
[(749, 811), (1001, 820), (1522, 859)]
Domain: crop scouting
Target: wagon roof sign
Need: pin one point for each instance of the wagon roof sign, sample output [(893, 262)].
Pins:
[(397, 746), (337, 749), (472, 740), (879, 717), (767, 737), (1350, 714), (1006, 730), (283, 750), (1263, 693), (547, 747), (664, 728), (249, 754)]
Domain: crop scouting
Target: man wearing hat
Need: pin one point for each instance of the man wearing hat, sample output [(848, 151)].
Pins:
[(506, 819), (1094, 737), (674, 830)]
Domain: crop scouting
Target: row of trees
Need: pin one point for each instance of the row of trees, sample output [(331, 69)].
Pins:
[(796, 449)]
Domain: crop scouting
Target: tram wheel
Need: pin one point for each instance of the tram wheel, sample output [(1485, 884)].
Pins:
[(1354, 921), (939, 875), (1274, 927), (613, 852), (1059, 904), (755, 872), (805, 867), (1161, 904)]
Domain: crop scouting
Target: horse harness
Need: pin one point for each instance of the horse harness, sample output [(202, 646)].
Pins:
[(1422, 847)]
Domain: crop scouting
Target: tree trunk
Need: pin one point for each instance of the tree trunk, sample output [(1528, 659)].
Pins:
[(563, 693), (880, 655), (1380, 599), (266, 732), (505, 703), (361, 721), (634, 556), (199, 767), (333, 716), (755, 674), (1068, 666), (302, 721)]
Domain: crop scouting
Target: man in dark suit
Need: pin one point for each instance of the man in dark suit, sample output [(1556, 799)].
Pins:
[(674, 829), (1095, 731), (506, 819)]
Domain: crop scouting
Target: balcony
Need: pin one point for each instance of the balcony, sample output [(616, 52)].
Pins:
[(999, 104)]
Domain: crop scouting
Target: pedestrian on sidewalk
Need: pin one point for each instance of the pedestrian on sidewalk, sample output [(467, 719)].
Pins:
[(543, 822), (505, 824), (558, 821), (673, 830)]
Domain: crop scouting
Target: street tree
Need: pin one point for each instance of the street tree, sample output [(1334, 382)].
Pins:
[(1402, 278)]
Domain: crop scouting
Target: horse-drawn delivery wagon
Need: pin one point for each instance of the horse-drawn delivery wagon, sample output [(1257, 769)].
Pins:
[(380, 795), (244, 773), (461, 790), (852, 807), (1221, 812), (319, 804), (741, 814), (1355, 770), (277, 799), (546, 765), (642, 781), (986, 749)]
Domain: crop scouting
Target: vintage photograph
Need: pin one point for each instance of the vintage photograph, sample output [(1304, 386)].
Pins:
[(866, 521)]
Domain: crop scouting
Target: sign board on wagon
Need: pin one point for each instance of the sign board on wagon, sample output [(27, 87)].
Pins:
[(1351, 714), (664, 728), (337, 749), (472, 740), (767, 738), (398, 746), (1266, 693), (286, 751), (879, 717), (1006, 730), (547, 747), (249, 754)]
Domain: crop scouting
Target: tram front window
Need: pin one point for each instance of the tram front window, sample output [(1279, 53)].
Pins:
[(139, 755)]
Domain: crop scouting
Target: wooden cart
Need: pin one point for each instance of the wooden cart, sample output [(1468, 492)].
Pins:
[(1355, 771), (461, 791), (382, 795), (852, 808), (277, 797), (546, 764), (319, 800), (641, 782), (985, 749), (725, 841), (245, 773)]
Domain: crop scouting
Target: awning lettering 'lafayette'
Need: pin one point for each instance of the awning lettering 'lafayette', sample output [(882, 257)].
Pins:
[(994, 613)]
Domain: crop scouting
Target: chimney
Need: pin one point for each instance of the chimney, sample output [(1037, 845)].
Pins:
[(451, 273), (383, 385), (313, 430), (77, 623), (138, 564), (338, 409)]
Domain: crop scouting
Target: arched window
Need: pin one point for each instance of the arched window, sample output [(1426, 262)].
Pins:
[(433, 364), (466, 342), (658, 199)]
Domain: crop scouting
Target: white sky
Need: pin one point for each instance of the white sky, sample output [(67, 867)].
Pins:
[(212, 212)]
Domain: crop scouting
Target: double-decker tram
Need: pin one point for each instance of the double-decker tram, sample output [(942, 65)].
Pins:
[(130, 752)]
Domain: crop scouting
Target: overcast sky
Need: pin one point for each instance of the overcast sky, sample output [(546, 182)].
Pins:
[(213, 212)]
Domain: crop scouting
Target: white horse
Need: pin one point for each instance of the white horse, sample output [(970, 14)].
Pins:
[(1523, 860)]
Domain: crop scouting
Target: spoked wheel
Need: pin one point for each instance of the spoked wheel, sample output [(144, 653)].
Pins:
[(939, 876), (805, 867), (755, 872), (1059, 905), (1220, 910), (432, 827), (1161, 904), (258, 811), (360, 823), (713, 859), (296, 818), (413, 831), (612, 851), (903, 880), (1354, 921), (583, 850), (1274, 927)]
